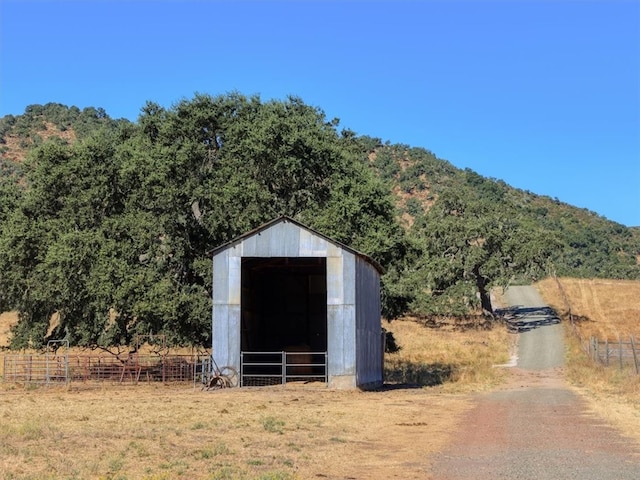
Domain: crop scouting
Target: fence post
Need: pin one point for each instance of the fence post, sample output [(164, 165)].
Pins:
[(620, 351), (326, 367), (606, 347), (635, 356), (284, 367)]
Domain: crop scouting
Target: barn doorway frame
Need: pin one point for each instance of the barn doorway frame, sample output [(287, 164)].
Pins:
[(283, 320)]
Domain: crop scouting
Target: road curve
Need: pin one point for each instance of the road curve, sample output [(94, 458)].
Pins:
[(535, 427)]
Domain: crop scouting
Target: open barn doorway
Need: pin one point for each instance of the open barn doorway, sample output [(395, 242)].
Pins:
[(284, 312)]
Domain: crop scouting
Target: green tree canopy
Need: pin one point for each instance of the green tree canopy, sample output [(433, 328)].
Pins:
[(112, 232)]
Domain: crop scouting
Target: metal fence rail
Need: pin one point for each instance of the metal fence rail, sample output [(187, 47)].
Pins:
[(274, 368), (51, 368), (615, 353)]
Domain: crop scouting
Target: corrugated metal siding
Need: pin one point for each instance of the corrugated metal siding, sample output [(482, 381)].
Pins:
[(281, 240), (226, 309), (369, 332), (311, 245), (335, 284), (221, 278), (226, 335)]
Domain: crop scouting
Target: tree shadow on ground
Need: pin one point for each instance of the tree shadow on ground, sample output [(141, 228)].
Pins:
[(407, 374), (521, 319), (460, 323)]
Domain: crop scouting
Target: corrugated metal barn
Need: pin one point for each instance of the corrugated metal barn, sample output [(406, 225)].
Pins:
[(292, 304)]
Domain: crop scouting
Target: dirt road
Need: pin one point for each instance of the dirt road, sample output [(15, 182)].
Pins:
[(535, 427)]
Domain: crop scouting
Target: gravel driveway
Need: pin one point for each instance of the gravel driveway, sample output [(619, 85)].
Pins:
[(535, 427)]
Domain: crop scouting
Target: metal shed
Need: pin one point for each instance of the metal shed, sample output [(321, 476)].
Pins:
[(290, 303)]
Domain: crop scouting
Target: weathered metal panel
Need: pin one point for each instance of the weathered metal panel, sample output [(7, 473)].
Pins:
[(335, 290), (341, 343), (349, 278), (369, 332), (220, 333), (236, 250), (286, 240), (233, 338), (311, 245), (335, 340), (349, 339), (250, 246), (235, 272), (226, 335), (280, 240), (334, 250), (221, 278)]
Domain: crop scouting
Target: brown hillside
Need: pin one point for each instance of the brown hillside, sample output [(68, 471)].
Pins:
[(17, 148)]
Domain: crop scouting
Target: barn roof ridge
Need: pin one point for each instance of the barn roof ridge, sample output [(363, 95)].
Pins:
[(285, 218)]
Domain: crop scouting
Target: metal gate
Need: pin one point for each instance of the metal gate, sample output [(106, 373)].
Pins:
[(275, 368)]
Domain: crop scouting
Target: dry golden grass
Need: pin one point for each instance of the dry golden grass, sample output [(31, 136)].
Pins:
[(147, 431), (160, 432), (7, 320), (607, 309), (460, 359)]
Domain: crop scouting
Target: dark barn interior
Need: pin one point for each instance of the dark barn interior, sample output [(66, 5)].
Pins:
[(284, 304)]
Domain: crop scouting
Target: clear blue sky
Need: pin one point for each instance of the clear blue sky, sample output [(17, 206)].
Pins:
[(543, 94)]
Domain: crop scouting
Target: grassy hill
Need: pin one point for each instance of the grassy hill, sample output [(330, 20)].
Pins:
[(593, 246), (153, 196)]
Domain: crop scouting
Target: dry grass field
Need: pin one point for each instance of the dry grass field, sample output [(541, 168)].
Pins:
[(607, 309), (155, 431), (168, 432)]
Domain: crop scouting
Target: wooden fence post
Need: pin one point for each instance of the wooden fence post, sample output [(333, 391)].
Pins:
[(635, 355), (620, 352)]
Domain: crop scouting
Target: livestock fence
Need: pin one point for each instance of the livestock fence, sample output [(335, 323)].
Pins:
[(624, 355), (618, 353), (56, 368)]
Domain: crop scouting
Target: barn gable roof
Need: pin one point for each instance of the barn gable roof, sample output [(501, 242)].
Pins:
[(287, 219)]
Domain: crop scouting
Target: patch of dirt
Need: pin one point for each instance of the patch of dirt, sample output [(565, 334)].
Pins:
[(17, 147)]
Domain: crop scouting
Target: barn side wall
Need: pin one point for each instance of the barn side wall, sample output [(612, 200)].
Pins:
[(369, 346), (341, 319)]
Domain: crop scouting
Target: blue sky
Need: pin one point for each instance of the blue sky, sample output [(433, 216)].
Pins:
[(542, 94)]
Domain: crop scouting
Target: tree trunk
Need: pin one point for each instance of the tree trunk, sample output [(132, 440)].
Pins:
[(485, 298)]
